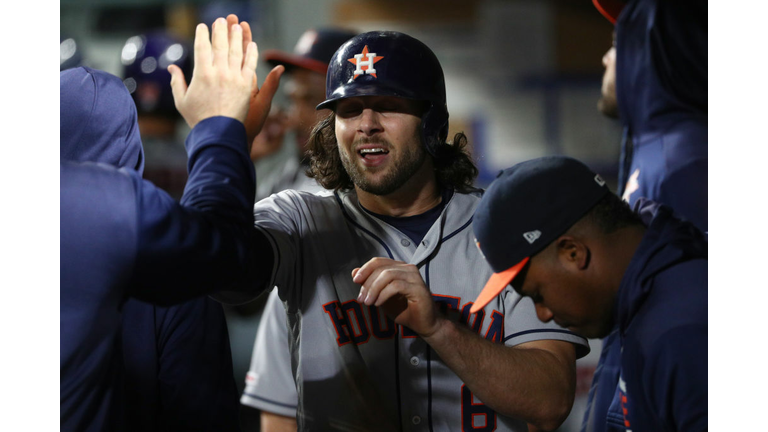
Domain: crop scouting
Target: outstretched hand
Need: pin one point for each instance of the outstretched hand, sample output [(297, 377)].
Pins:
[(224, 81), (400, 291)]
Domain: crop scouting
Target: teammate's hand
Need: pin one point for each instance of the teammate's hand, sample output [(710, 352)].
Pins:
[(224, 78), (399, 290)]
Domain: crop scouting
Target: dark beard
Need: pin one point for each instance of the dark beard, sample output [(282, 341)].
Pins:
[(402, 171), (609, 106)]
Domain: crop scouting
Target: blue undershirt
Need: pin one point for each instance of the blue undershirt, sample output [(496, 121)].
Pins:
[(416, 227)]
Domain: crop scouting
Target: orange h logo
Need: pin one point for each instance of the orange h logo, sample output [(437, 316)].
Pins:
[(364, 62)]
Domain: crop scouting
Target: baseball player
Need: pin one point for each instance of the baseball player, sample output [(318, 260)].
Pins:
[(269, 384), (591, 264), (123, 237), (655, 82), (399, 223)]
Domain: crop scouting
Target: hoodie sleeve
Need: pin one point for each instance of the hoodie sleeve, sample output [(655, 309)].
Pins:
[(207, 242)]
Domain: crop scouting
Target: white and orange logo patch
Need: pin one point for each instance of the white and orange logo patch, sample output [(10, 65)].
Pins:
[(364, 63)]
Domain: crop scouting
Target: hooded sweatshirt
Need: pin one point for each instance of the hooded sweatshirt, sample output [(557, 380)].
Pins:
[(122, 237), (661, 331), (663, 327), (661, 88)]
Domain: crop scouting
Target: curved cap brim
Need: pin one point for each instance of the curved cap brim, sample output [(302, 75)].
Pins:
[(610, 9), (275, 57), (496, 284)]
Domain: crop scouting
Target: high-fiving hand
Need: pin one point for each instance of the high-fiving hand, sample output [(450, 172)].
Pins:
[(224, 81)]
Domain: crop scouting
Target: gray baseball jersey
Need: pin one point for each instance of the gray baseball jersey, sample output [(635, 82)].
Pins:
[(354, 368), (269, 384)]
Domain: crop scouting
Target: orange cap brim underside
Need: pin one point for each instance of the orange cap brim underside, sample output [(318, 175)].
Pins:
[(496, 284), (610, 9)]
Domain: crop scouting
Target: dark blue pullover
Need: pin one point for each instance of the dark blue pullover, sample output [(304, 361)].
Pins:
[(661, 88), (661, 333)]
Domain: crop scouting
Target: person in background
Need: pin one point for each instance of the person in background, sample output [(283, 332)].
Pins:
[(655, 83), (145, 59)]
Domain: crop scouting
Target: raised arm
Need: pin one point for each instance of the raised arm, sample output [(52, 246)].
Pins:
[(208, 242)]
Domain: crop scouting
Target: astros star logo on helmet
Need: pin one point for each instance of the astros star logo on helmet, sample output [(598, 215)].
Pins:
[(364, 62)]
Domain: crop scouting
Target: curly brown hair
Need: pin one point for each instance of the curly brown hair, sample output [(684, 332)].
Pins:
[(453, 164)]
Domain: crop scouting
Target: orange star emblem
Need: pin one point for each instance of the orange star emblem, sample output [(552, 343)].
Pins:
[(364, 63)]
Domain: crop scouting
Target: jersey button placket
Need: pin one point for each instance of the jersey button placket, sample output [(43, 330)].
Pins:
[(405, 242), (415, 361), (415, 419)]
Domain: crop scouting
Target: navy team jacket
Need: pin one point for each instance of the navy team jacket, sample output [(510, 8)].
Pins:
[(132, 365), (661, 316)]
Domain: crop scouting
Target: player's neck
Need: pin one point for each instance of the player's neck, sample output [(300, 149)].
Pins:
[(620, 248), (419, 194)]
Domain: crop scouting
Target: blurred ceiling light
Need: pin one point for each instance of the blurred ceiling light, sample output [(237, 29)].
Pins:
[(130, 84), (171, 55), (68, 49), (148, 65), (131, 48)]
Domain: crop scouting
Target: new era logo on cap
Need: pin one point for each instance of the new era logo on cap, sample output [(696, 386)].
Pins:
[(531, 236), (599, 180)]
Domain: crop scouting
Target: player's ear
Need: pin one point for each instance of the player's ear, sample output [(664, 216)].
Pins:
[(572, 252)]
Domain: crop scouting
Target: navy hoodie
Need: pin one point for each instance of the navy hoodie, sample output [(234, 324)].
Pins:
[(661, 331), (122, 237), (661, 88)]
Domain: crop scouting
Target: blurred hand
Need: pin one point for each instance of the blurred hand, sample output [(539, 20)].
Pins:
[(224, 81), (271, 137)]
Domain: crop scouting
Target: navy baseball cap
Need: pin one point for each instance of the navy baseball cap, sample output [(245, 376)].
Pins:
[(313, 51), (525, 209)]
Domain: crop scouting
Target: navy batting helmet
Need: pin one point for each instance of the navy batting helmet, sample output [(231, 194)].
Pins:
[(145, 61), (388, 63)]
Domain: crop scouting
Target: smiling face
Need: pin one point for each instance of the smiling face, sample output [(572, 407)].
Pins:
[(379, 142), (556, 281)]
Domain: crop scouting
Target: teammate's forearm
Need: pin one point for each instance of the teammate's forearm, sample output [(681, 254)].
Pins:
[(532, 385)]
